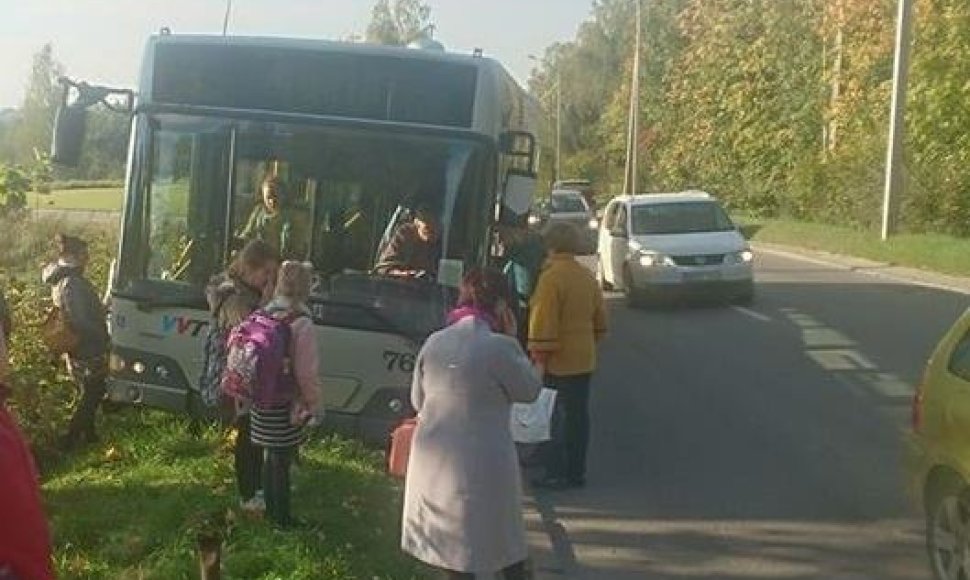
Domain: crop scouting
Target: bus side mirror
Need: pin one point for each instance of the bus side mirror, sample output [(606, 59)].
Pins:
[(69, 127), (520, 148), (519, 191)]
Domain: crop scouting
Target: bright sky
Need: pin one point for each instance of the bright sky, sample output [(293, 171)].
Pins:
[(101, 40)]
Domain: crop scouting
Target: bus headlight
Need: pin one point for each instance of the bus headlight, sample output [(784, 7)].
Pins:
[(116, 363), (162, 372), (533, 220)]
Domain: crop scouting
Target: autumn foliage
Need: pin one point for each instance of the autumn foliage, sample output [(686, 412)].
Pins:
[(780, 107)]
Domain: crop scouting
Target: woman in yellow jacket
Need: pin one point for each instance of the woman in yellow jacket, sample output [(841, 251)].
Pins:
[(567, 320)]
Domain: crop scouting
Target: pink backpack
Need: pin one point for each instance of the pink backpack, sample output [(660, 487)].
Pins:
[(258, 360)]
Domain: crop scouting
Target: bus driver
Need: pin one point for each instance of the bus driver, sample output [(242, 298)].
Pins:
[(275, 221), (415, 248)]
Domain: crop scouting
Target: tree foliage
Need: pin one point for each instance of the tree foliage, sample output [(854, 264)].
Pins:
[(777, 106), (14, 185), (39, 106), (398, 22)]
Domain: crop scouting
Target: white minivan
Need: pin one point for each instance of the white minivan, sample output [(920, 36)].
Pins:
[(673, 244)]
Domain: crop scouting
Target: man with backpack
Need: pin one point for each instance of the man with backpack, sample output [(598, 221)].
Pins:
[(82, 312), (233, 296)]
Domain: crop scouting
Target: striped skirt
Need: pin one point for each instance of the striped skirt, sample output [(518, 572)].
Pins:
[(272, 427)]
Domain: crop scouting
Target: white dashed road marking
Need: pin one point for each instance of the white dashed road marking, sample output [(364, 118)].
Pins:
[(752, 313)]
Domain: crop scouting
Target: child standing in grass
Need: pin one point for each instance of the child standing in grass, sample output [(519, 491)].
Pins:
[(24, 540), (233, 296), (279, 419)]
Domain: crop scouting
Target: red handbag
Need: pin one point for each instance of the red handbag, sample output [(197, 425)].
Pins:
[(400, 448)]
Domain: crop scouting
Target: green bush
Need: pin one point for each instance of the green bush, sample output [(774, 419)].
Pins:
[(14, 185)]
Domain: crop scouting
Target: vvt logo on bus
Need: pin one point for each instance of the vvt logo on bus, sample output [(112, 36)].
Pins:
[(182, 325)]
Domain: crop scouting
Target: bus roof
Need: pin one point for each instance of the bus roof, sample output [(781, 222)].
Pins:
[(337, 79), (312, 44)]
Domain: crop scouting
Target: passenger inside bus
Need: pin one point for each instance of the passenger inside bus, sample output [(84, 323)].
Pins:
[(277, 221), (414, 249)]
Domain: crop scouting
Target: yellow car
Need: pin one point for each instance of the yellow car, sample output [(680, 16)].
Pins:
[(938, 453)]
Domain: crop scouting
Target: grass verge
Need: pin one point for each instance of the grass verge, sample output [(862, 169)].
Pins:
[(132, 507), (92, 199), (933, 252)]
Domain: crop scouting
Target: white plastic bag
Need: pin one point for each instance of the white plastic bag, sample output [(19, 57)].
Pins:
[(532, 422)]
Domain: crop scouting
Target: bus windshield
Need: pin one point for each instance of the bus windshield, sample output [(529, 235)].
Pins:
[(331, 196)]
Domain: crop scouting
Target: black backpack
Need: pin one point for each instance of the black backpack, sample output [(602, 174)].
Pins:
[(214, 361)]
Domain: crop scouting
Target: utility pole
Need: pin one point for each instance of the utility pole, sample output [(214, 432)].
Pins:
[(558, 124), (630, 176), (897, 120)]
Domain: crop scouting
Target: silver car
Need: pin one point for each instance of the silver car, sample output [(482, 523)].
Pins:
[(569, 206)]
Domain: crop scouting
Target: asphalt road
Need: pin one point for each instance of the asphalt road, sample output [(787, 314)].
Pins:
[(752, 443)]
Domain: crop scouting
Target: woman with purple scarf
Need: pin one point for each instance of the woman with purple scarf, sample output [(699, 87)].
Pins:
[(463, 497)]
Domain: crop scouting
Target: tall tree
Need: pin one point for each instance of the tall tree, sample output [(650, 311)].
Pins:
[(36, 122), (775, 105), (399, 22), (938, 188)]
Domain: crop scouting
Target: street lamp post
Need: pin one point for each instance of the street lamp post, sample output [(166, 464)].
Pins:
[(558, 125), (557, 169), (225, 20), (633, 128), (897, 120)]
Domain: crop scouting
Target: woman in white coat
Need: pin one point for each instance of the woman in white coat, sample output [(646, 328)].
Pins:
[(463, 497)]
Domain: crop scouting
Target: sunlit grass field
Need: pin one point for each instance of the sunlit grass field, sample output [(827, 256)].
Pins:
[(933, 252), (134, 505), (93, 199)]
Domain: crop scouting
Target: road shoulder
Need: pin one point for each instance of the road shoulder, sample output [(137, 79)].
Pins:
[(883, 270)]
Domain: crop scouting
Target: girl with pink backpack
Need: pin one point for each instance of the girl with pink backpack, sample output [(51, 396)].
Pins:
[(272, 363)]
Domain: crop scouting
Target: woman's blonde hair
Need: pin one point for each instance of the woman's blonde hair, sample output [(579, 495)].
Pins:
[(295, 281), (255, 255)]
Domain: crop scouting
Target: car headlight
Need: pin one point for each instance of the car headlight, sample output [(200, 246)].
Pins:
[(655, 260), (594, 224), (745, 256), (533, 220)]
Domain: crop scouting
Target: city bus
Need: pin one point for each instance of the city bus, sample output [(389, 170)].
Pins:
[(359, 137)]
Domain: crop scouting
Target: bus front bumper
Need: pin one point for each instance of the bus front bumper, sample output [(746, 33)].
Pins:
[(154, 396)]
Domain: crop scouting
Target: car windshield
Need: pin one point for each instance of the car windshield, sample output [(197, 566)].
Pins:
[(679, 218), (333, 197), (567, 204)]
